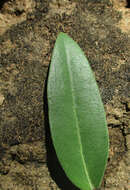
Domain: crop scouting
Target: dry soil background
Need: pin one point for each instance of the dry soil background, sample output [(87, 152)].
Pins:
[(28, 29)]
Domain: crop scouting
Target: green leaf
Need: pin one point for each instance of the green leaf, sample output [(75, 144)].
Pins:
[(76, 115)]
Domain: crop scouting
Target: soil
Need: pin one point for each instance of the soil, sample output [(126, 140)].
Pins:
[(28, 30)]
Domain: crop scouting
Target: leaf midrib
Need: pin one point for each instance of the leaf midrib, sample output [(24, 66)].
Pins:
[(75, 115)]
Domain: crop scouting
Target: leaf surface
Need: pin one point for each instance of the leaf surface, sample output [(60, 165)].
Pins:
[(76, 115)]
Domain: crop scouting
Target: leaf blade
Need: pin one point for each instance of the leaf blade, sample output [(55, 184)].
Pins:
[(73, 96)]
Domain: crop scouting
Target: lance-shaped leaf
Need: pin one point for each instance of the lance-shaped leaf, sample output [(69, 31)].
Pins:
[(76, 115)]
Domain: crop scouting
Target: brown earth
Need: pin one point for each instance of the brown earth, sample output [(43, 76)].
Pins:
[(28, 30)]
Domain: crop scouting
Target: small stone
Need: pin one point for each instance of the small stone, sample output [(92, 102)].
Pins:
[(1, 99)]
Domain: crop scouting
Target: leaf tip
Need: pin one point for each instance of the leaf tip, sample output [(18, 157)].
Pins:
[(62, 35)]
